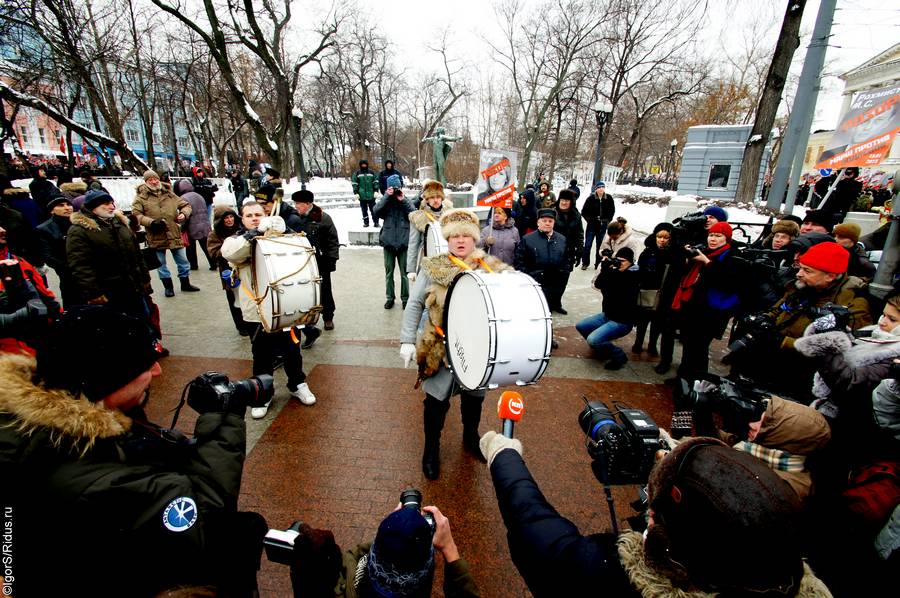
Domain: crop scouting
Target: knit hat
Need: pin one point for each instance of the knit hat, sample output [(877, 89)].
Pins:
[(788, 227), (401, 560), (626, 253), (566, 194), (361, 162), (716, 212), (723, 228), (431, 188), (265, 193), (819, 217), (827, 257), (120, 349), (394, 181), (460, 222), (303, 196), (723, 520), (150, 174), (56, 200), (847, 230), (546, 213), (599, 184), (664, 226), (94, 198)]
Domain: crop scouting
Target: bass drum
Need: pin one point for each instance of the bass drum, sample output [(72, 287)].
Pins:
[(435, 243), (498, 329), (286, 281)]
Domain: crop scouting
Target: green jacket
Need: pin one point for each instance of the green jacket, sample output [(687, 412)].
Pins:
[(365, 184), (92, 489)]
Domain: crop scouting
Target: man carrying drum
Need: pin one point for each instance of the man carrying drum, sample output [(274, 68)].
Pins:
[(433, 205), (238, 250), (462, 231)]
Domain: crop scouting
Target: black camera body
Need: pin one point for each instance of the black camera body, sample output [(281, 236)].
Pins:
[(611, 264), (412, 499), (213, 391), (623, 450), (760, 327), (737, 404), (690, 229)]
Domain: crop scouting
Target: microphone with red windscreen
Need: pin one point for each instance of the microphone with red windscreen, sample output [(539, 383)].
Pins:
[(510, 409)]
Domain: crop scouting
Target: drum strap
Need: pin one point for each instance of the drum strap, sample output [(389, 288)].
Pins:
[(430, 217), (466, 266)]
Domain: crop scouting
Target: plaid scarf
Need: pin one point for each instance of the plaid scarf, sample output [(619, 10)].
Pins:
[(774, 458)]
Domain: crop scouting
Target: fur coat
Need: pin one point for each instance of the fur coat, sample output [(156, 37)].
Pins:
[(418, 222)]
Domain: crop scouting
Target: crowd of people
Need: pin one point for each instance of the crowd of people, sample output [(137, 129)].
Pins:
[(819, 444)]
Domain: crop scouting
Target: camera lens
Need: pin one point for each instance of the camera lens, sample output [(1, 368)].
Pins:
[(595, 418), (255, 391), (411, 499)]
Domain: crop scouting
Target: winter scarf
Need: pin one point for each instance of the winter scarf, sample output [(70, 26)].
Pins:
[(689, 280)]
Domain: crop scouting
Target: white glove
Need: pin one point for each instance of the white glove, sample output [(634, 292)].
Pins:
[(356, 196), (273, 223), (492, 443), (407, 353), (411, 276)]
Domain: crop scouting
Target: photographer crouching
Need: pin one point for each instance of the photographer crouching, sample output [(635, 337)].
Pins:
[(720, 521), (103, 502)]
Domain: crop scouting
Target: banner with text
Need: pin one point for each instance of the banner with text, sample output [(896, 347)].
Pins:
[(497, 178), (867, 130)]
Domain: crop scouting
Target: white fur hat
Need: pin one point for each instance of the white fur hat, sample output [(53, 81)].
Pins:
[(460, 222)]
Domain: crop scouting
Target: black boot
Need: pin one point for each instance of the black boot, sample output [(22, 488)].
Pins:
[(434, 416), (186, 286), (170, 288), (470, 406)]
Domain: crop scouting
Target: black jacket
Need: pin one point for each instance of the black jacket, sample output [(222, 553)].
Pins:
[(291, 217), (52, 244), (525, 216), (620, 294), (42, 191), (320, 229), (88, 482), (569, 224), (541, 257), (394, 214), (598, 212), (550, 553), (205, 188)]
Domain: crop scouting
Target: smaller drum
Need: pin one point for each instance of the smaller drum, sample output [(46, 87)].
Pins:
[(286, 281), (498, 329), (435, 243)]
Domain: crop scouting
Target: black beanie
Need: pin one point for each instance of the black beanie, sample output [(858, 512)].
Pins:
[(95, 350), (626, 253), (302, 196)]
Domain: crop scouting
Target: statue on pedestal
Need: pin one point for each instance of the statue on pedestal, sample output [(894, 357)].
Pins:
[(441, 147)]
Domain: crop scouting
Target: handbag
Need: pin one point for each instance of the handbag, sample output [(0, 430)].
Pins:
[(151, 259), (648, 298)]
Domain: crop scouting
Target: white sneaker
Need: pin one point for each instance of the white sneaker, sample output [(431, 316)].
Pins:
[(304, 394), (260, 412)]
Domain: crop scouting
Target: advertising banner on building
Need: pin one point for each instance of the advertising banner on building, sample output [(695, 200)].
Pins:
[(497, 178), (866, 131)]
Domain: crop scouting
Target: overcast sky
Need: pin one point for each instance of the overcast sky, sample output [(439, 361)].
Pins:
[(861, 29)]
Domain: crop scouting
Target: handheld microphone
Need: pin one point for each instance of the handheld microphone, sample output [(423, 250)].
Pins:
[(510, 409)]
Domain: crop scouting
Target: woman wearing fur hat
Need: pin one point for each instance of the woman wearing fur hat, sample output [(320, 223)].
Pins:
[(720, 523), (433, 205), (226, 224), (162, 212), (460, 228)]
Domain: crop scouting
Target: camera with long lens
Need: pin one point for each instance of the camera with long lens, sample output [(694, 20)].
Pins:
[(690, 229), (738, 405), (623, 449), (213, 391), (693, 250), (412, 499), (760, 329)]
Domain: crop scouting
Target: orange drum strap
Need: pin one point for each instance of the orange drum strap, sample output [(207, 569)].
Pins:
[(466, 266)]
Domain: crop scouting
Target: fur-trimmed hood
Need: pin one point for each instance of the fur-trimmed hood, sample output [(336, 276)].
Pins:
[(67, 419), (75, 188), (419, 218), (15, 193), (653, 584), (89, 221)]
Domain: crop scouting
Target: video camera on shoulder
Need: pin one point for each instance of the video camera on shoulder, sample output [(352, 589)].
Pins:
[(623, 449), (738, 404), (760, 328), (690, 229)]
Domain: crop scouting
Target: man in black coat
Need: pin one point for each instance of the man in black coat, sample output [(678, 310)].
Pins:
[(51, 236), (320, 230), (542, 255), (598, 211), (384, 174), (76, 449), (43, 190), (205, 188)]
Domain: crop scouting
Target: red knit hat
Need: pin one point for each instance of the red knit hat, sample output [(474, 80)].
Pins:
[(827, 257), (723, 228)]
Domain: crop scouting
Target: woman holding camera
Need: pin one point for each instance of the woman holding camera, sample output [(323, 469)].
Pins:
[(706, 298)]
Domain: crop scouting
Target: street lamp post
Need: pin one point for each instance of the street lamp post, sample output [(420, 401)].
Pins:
[(298, 124), (670, 181), (603, 111)]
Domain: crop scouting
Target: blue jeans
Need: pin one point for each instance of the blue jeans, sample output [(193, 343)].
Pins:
[(589, 235), (184, 268), (599, 331)]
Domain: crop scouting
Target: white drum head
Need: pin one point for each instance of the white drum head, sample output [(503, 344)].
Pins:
[(435, 243), (468, 340), (286, 276)]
